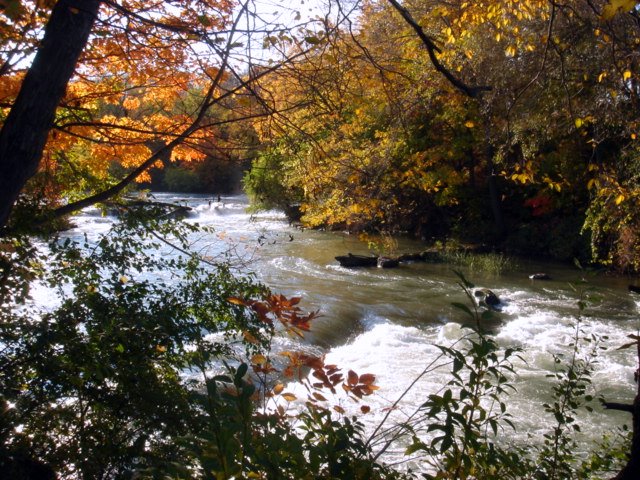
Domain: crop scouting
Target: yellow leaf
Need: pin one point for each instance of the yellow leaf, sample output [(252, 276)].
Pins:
[(289, 397), (619, 199), (236, 301), (469, 124), (258, 359), (601, 76), (633, 136), (626, 75), (614, 7), (579, 122), (278, 389)]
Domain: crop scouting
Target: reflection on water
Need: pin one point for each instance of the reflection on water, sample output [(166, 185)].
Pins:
[(387, 321)]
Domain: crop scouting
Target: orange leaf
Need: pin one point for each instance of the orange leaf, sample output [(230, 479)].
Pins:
[(236, 301), (367, 378), (352, 378), (258, 359), (249, 337), (289, 397), (318, 396)]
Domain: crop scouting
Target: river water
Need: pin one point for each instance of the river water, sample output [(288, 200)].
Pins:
[(389, 321)]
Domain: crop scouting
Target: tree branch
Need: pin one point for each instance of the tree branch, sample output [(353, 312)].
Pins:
[(623, 407), (432, 49), (179, 139)]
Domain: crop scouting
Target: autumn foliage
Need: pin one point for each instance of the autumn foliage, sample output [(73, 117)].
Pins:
[(539, 101)]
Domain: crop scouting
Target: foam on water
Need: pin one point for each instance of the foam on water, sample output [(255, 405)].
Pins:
[(399, 354), (389, 322)]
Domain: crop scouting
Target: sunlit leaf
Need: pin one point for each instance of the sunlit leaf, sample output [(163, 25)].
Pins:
[(614, 7), (258, 359), (236, 301)]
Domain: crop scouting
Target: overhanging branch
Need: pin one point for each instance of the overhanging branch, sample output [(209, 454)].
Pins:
[(432, 50)]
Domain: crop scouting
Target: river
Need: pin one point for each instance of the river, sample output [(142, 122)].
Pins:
[(389, 321)]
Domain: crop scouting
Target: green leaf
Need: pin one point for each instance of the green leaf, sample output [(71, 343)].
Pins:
[(463, 307), (447, 442), (415, 447), (241, 371), (463, 280), (204, 20)]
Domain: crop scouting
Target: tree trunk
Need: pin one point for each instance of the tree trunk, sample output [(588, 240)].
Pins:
[(631, 470), (494, 198), (25, 131), (494, 195)]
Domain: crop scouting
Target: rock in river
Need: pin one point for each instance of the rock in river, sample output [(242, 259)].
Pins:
[(484, 295), (540, 276), (387, 262)]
